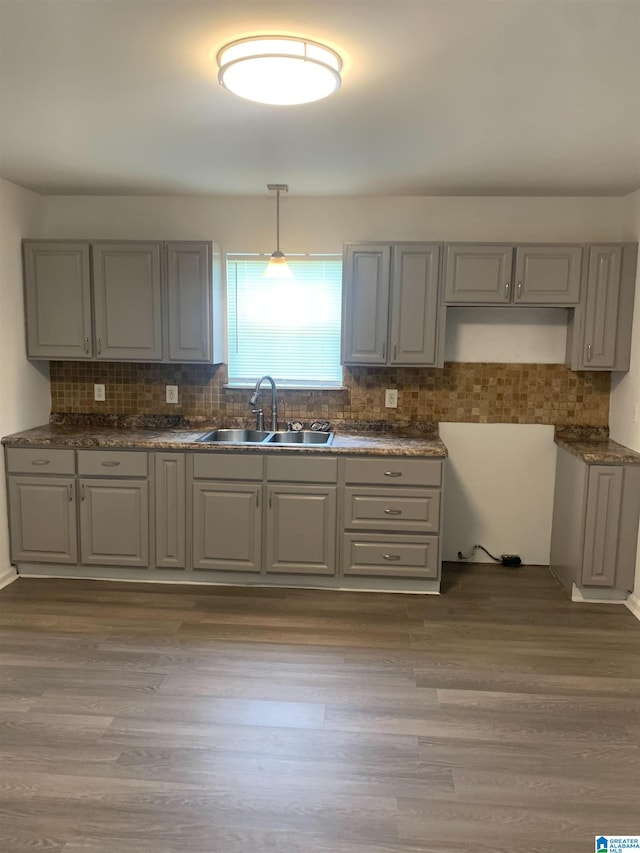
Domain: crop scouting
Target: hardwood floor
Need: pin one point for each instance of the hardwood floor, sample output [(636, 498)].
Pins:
[(142, 718)]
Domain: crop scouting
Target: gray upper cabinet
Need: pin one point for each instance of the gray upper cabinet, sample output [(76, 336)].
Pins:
[(195, 311), (599, 332), (547, 275), (365, 304), (127, 301), (477, 273), (57, 300), (391, 306), (503, 274), (124, 301)]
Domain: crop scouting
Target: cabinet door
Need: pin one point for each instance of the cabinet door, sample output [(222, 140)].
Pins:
[(604, 493), (170, 509), (548, 275), (114, 522), (42, 512), (601, 312), (365, 316), (414, 309), (227, 522), (127, 301), (57, 282), (189, 298), (301, 530), (477, 274)]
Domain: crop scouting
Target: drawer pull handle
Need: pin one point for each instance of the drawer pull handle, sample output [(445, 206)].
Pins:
[(40, 461), (393, 511), (86, 345), (519, 290), (393, 473), (110, 464), (588, 352), (391, 557)]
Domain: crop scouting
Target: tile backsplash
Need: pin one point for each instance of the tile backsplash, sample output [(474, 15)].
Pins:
[(461, 392)]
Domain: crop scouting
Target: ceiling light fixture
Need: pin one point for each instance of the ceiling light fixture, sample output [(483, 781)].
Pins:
[(281, 70), (278, 266)]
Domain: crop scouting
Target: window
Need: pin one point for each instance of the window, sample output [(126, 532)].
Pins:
[(289, 329)]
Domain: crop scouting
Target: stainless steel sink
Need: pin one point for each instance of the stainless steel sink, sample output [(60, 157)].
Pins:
[(236, 436), (303, 436)]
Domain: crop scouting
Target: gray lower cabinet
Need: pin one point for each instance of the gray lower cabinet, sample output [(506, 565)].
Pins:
[(227, 526), (392, 518), (390, 304), (43, 519), (301, 529), (499, 274), (123, 301), (170, 510), (114, 522), (595, 523), (226, 512)]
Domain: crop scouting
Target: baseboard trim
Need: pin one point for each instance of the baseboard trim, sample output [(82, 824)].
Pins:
[(596, 595), (633, 604), (8, 577)]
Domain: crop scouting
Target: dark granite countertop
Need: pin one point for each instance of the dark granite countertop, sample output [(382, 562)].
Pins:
[(85, 435), (600, 452)]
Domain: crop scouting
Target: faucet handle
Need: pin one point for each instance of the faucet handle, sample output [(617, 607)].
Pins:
[(259, 418)]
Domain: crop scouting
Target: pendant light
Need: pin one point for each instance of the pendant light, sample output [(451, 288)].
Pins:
[(280, 70), (278, 266)]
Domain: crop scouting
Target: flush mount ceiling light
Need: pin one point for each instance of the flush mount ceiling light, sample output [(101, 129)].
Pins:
[(281, 70), (278, 266)]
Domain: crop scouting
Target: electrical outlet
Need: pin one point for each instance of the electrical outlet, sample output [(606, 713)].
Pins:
[(391, 398), (99, 393), (172, 393)]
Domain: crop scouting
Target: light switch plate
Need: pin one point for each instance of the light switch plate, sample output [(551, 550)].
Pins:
[(172, 393), (99, 393), (391, 398)]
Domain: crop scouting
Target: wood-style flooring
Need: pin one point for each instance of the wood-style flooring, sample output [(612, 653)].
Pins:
[(140, 718)]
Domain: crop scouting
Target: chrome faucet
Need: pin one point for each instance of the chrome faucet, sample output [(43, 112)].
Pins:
[(274, 400)]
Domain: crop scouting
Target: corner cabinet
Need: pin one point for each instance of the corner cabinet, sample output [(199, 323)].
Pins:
[(595, 524), (390, 304), (123, 301), (503, 274), (599, 332)]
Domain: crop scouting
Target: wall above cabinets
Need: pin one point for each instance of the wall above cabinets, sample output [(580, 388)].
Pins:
[(387, 301), (123, 301)]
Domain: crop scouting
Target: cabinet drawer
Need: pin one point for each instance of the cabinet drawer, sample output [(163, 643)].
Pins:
[(391, 556), (112, 463), (33, 460), (227, 466), (392, 509), (301, 469), (394, 471)]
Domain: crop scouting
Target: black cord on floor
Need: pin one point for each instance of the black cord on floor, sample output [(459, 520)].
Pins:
[(511, 561)]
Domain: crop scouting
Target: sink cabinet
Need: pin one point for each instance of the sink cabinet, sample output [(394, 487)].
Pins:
[(390, 304), (123, 301), (226, 530)]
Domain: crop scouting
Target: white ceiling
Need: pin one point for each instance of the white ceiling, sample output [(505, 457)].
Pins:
[(497, 97)]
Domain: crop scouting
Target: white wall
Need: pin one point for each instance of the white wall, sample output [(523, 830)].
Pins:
[(625, 393), (477, 509), (24, 388)]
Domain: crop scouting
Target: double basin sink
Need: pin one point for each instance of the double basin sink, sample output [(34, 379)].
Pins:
[(256, 436)]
